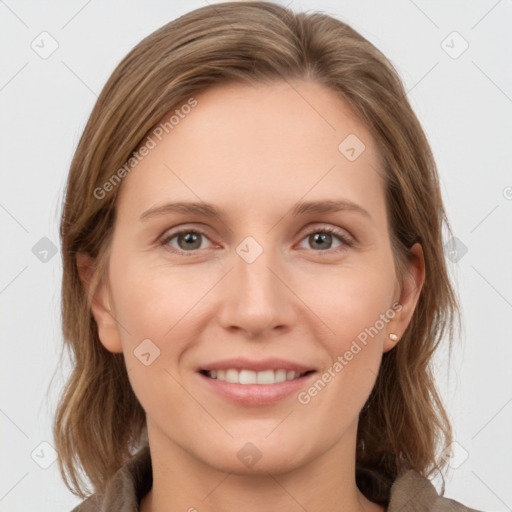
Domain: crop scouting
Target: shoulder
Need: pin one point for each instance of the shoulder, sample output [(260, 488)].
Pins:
[(125, 489), (414, 492)]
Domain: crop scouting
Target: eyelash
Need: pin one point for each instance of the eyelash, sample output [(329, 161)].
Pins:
[(327, 229)]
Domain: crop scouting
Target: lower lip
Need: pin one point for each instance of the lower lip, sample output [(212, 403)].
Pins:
[(256, 394)]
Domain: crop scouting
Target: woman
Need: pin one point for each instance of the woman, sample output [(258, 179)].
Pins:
[(254, 281)]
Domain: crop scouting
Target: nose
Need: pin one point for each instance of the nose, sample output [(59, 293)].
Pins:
[(257, 298)]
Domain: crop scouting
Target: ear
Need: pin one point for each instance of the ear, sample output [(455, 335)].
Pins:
[(409, 294), (101, 303)]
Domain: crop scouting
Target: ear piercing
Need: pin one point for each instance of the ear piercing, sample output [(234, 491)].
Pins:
[(393, 337)]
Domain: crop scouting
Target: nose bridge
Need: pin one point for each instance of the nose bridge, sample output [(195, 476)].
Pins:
[(257, 300), (253, 263)]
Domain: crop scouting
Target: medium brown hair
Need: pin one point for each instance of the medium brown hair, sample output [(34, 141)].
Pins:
[(99, 422)]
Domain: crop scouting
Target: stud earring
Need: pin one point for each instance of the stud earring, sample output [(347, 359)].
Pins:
[(393, 337)]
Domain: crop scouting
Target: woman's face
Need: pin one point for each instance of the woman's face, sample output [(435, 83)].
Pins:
[(261, 280)]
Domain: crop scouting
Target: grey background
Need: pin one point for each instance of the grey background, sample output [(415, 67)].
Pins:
[(464, 101)]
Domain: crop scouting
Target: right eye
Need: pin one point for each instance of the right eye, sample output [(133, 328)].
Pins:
[(188, 241)]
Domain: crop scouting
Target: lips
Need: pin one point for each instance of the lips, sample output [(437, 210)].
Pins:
[(268, 389), (241, 363), (255, 395)]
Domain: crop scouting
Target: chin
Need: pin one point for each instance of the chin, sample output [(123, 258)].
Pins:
[(258, 457)]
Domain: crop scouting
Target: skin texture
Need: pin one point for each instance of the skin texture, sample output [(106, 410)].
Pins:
[(254, 151)]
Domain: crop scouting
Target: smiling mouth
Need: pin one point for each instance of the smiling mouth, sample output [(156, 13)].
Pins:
[(247, 377)]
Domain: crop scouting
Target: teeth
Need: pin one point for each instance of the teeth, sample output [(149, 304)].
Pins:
[(250, 377)]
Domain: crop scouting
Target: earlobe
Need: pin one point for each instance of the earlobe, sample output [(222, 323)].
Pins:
[(410, 292), (100, 303), (391, 340)]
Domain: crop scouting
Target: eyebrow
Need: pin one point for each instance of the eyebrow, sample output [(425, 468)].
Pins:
[(300, 208)]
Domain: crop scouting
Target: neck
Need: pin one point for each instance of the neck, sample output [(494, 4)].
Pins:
[(181, 481)]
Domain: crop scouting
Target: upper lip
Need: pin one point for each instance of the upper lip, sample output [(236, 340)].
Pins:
[(241, 363)]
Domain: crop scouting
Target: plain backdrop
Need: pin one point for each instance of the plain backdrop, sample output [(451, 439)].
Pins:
[(455, 60)]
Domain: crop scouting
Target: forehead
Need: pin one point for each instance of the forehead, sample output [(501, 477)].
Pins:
[(260, 144)]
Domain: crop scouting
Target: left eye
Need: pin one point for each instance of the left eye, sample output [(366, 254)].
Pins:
[(190, 240), (322, 237)]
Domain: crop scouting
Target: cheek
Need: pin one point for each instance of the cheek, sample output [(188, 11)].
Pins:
[(355, 303), (149, 299), (349, 299), (151, 303)]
